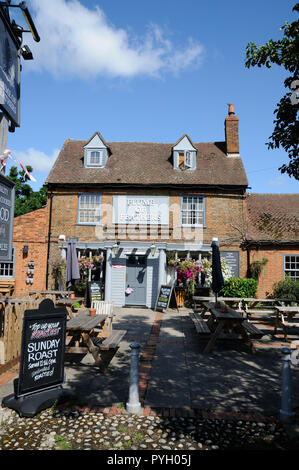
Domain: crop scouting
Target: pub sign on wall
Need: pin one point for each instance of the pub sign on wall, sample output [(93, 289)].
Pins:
[(7, 202)]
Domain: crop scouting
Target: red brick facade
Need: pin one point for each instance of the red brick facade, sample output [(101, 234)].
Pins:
[(32, 230), (273, 269)]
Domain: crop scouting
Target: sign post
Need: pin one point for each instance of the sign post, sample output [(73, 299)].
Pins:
[(41, 373)]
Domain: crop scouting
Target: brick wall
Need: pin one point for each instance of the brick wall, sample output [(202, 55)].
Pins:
[(31, 229), (224, 219), (273, 270), (224, 216)]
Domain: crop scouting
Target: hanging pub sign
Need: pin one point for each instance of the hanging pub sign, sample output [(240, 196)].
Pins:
[(41, 372), (7, 203), (94, 292), (9, 71), (166, 297)]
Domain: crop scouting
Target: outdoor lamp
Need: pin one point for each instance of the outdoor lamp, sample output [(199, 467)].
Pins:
[(25, 250), (153, 249), (26, 53), (115, 248)]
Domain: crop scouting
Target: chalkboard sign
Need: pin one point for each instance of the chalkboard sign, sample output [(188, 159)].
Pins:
[(42, 350), (94, 292), (166, 294), (232, 259), (7, 198)]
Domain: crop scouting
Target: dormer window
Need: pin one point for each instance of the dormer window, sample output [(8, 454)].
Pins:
[(95, 158), (184, 155), (185, 159), (95, 152)]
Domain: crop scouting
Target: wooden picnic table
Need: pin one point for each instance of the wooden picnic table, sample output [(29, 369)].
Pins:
[(246, 305), (88, 334), (284, 318), (228, 324), (81, 331), (68, 303)]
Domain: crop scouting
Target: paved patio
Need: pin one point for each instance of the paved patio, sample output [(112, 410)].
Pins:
[(175, 374)]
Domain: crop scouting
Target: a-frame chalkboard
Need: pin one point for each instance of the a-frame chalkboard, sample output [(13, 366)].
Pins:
[(166, 298), (94, 291), (41, 372)]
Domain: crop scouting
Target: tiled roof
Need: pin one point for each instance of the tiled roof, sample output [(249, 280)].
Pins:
[(146, 163), (273, 217)]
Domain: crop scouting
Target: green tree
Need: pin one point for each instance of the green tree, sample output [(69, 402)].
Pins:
[(26, 200), (284, 53)]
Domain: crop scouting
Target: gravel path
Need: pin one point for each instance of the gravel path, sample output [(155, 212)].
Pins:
[(70, 429)]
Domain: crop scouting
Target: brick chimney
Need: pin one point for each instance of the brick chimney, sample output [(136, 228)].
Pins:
[(232, 131)]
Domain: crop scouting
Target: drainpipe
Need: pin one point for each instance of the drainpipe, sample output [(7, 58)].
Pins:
[(49, 237), (248, 272)]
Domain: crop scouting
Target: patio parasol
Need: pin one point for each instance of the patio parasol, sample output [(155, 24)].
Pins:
[(72, 266), (217, 277)]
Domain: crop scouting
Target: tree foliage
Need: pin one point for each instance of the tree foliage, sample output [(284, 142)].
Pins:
[(284, 53), (26, 200)]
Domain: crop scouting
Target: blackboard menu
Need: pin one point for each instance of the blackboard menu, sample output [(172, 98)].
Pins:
[(94, 292), (43, 348), (7, 197), (164, 297), (232, 259)]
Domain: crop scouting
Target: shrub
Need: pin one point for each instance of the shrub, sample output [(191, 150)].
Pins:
[(239, 287), (286, 289)]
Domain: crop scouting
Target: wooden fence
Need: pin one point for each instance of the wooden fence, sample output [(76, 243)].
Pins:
[(11, 324)]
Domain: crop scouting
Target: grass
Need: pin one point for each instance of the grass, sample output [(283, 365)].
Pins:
[(62, 443)]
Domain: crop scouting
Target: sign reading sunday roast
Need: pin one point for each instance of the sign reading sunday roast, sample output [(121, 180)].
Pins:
[(42, 351), (41, 371)]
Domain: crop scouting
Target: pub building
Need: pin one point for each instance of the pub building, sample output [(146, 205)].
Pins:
[(136, 204)]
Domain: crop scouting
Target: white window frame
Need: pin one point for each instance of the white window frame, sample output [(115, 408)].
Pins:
[(188, 160), (291, 264), (90, 208), (7, 268), (199, 198), (89, 156)]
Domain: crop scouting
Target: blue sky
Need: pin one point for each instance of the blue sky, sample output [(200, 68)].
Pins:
[(150, 71)]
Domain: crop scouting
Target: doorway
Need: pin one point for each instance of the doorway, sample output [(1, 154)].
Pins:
[(136, 280)]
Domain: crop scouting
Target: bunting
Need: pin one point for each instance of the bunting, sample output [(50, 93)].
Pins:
[(3, 160)]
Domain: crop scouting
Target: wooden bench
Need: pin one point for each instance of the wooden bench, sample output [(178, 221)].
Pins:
[(252, 330), (105, 349), (200, 324)]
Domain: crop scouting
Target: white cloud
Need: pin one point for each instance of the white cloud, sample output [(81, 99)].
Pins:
[(37, 159), (280, 180), (77, 41)]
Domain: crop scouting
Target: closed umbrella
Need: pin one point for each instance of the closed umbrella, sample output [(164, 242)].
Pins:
[(72, 266), (217, 277)]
